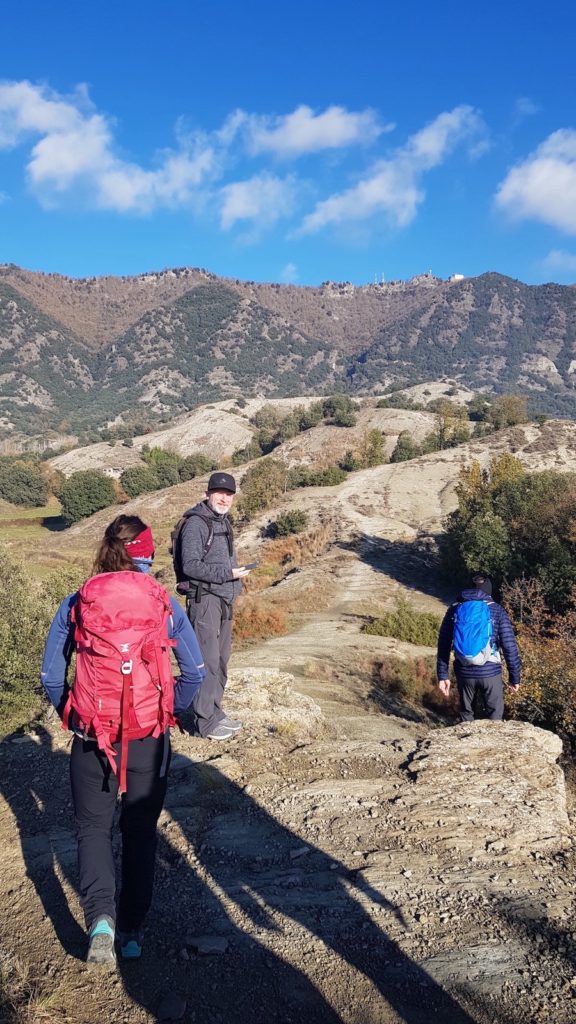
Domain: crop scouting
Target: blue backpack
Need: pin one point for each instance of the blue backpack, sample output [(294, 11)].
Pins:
[(472, 640)]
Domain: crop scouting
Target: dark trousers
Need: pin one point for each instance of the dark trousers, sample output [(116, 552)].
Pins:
[(491, 692), (94, 792), (212, 621)]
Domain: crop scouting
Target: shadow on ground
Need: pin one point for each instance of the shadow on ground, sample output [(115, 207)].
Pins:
[(300, 943), (415, 564)]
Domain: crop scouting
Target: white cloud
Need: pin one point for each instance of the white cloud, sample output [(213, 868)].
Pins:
[(263, 199), (76, 151), (558, 260), (304, 131), (543, 187), (525, 107), (392, 186), (289, 273)]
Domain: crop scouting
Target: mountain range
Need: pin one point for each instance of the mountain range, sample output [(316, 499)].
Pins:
[(76, 355)]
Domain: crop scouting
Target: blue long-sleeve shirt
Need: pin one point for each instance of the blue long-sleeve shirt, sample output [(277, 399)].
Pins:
[(60, 646), (502, 634)]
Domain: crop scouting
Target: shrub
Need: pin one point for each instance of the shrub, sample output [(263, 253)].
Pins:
[(547, 642), (26, 610), (413, 680), (315, 476), (262, 484), (257, 620), (22, 483), (340, 410), (515, 524), (195, 465), (406, 623), (405, 448), (289, 522), (139, 480), (84, 493)]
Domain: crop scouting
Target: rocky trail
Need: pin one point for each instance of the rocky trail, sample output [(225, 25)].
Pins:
[(346, 859), (348, 868)]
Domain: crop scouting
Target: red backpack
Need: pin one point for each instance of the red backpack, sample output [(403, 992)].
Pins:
[(123, 686)]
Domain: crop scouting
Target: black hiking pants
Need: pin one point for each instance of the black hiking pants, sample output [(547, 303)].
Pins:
[(94, 792), (491, 692), (211, 618)]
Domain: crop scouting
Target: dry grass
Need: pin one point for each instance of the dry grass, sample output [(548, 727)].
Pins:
[(257, 620), (22, 1000), (286, 553)]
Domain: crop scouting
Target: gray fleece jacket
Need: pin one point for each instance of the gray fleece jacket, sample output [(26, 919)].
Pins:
[(215, 567)]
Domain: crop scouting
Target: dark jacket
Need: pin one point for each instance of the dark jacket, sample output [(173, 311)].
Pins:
[(60, 646), (213, 567), (502, 635)]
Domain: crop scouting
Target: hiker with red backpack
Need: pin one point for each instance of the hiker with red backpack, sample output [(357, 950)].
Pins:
[(123, 700), (478, 631)]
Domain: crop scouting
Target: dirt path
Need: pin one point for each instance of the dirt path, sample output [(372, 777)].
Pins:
[(332, 864)]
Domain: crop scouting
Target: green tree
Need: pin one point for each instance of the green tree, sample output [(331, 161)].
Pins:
[(139, 480), (84, 493), (340, 410), (508, 411), (405, 448), (262, 485), (516, 525), (22, 483), (196, 465)]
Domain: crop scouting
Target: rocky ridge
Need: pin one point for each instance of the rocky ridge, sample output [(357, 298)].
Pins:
[(307, 875)]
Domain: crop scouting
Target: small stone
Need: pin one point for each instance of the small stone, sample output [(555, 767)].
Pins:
[(205, 945), (299, 852)]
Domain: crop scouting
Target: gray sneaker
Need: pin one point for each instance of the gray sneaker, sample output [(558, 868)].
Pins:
[(101, 942), (220, 732), (230, 723)]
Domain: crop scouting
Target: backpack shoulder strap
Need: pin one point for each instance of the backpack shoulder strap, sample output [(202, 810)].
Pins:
[(176, 535)]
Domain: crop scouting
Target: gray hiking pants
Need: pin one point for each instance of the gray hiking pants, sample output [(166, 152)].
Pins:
[(211, 618), (491, 690)]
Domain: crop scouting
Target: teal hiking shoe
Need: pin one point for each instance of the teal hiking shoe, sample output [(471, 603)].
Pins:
[(101, 941), (130, 945)]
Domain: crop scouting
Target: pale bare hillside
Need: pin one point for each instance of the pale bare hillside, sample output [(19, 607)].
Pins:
[(213, 430)]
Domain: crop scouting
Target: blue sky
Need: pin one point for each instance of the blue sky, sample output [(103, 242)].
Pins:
[(293, 142)]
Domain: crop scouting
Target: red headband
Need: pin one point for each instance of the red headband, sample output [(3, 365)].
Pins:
[(142, 546)]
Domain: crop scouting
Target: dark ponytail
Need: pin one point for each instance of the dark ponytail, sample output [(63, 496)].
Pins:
[(112, 555)]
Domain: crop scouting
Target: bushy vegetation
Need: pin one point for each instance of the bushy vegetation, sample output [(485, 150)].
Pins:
[(22, 483), (406, 623), (262, 485), (289, 522), (273, 427), (547, 641), (370, 453), (268, 479), (316, 476), (515, 525), (26, 610), (256, 619), (84, 493), (412, 680), (163, 469)]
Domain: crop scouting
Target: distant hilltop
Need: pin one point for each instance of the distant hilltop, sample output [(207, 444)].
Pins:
[(78, 354)]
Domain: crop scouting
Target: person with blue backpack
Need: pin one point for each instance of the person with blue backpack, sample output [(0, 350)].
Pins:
[(478, 631)]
